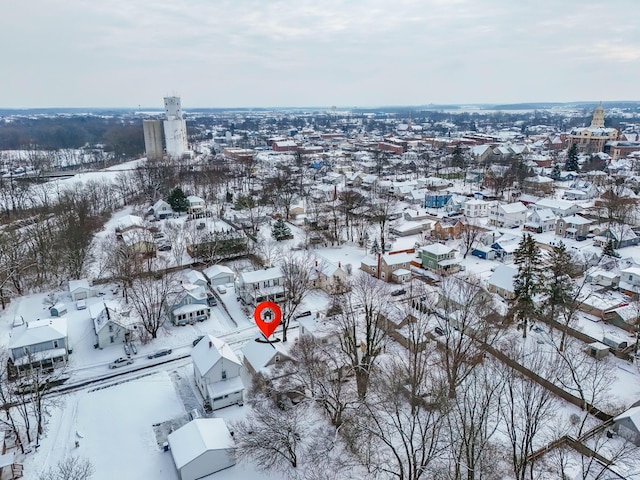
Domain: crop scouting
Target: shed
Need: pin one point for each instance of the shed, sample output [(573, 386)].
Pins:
[(58, 310), (597, 350), (202, 447)]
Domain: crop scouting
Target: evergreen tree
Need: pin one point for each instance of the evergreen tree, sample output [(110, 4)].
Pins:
[(609, 251), (280, 230), (558, 286), (571, 165), (375, 247), (555, 173), (527, 282), (178, 200), (458, 159)]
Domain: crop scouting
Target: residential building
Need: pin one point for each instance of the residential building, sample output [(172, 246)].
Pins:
[(329, 277), (112, 325), (390, 267), (161, 210), (216, 370), (560, 208), (260, 285), (501, 281), (196, 206), (188, 304), (39, 344), (508, 215), (439, 258), (540, 221), (476, 208), (574, 226)]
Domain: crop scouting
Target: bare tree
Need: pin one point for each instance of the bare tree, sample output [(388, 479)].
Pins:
[(148, 294), (296, 273), (272, 438), (469, 234), (69, 468), (462, 310), (360, 323), (527, 407), (381, 213)]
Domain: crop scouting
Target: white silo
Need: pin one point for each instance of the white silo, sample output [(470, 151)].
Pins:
[(175, 128)]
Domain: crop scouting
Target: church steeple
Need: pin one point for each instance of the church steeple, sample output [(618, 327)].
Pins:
[(598, 116)]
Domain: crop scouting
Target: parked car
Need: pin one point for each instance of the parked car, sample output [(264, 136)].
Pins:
[(160, 353), (164, 247), (119, 362), (397, 293), (212, 302), (81, 304), (221, 289), (195, 342), (440, 331)]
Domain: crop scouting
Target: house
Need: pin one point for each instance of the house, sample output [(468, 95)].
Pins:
[(260, 285), (538, 184), (139, 242), (406, 229), (319, 329), (573, 226), (112, 324), (540, 221), (580, 190), (476, 208), (508, 215), (501, 281), (329, 277), (627, 425), (202, 447), (505, 246), (439, 258), (188, 304), (390, 267), (194, 277), (80, 289), (258, 357), (196, 205), (219, 275), (436, 199), (216, 370), (129, 222), (39, 344), (604, 278), (624, 316), (620, 234), (447, 228), (161, 210), (484, 252), (561, 208)]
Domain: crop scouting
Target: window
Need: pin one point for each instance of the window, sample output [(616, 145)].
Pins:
[(224, 374), (110, 328), (112, 339), (55, 344)]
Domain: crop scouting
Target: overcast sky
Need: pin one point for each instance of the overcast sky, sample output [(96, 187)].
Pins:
[(274, 53)]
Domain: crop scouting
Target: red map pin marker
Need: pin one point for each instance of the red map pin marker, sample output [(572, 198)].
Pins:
[(267, 316)]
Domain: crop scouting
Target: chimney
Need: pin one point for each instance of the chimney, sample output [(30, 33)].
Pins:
[(316, 263), (210, 344), (339, 264)]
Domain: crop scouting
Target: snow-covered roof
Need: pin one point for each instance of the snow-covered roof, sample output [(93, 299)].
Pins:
[(39, 331), (630, 417), (502, 277), (260, 275), (259, 354), (194, 199), (576, 220), (129, 221), (74, 285), (209, 351), (437, 249), (197, 437), (194, 276), (216, 270), (397, 258), (515, 207)]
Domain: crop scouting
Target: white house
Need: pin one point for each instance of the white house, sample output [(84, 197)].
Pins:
[(80, 289), (39, 343), (540, 221), (202, 447), (195, 277), (319, 330), (161, 210), (501, 281), (476, 208), (260, 285), (219, 275), (259, 356), (111, 324), (561, 208), (129, 222), (196, 206), (217, 372), (508, 215)]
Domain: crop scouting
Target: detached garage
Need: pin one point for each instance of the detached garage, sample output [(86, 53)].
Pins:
[(202, 447), (80, 289)]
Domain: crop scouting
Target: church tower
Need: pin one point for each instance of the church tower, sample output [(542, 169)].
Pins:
[(598, 117)]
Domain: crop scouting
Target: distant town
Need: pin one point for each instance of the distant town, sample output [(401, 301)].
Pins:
[(459, 290)]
